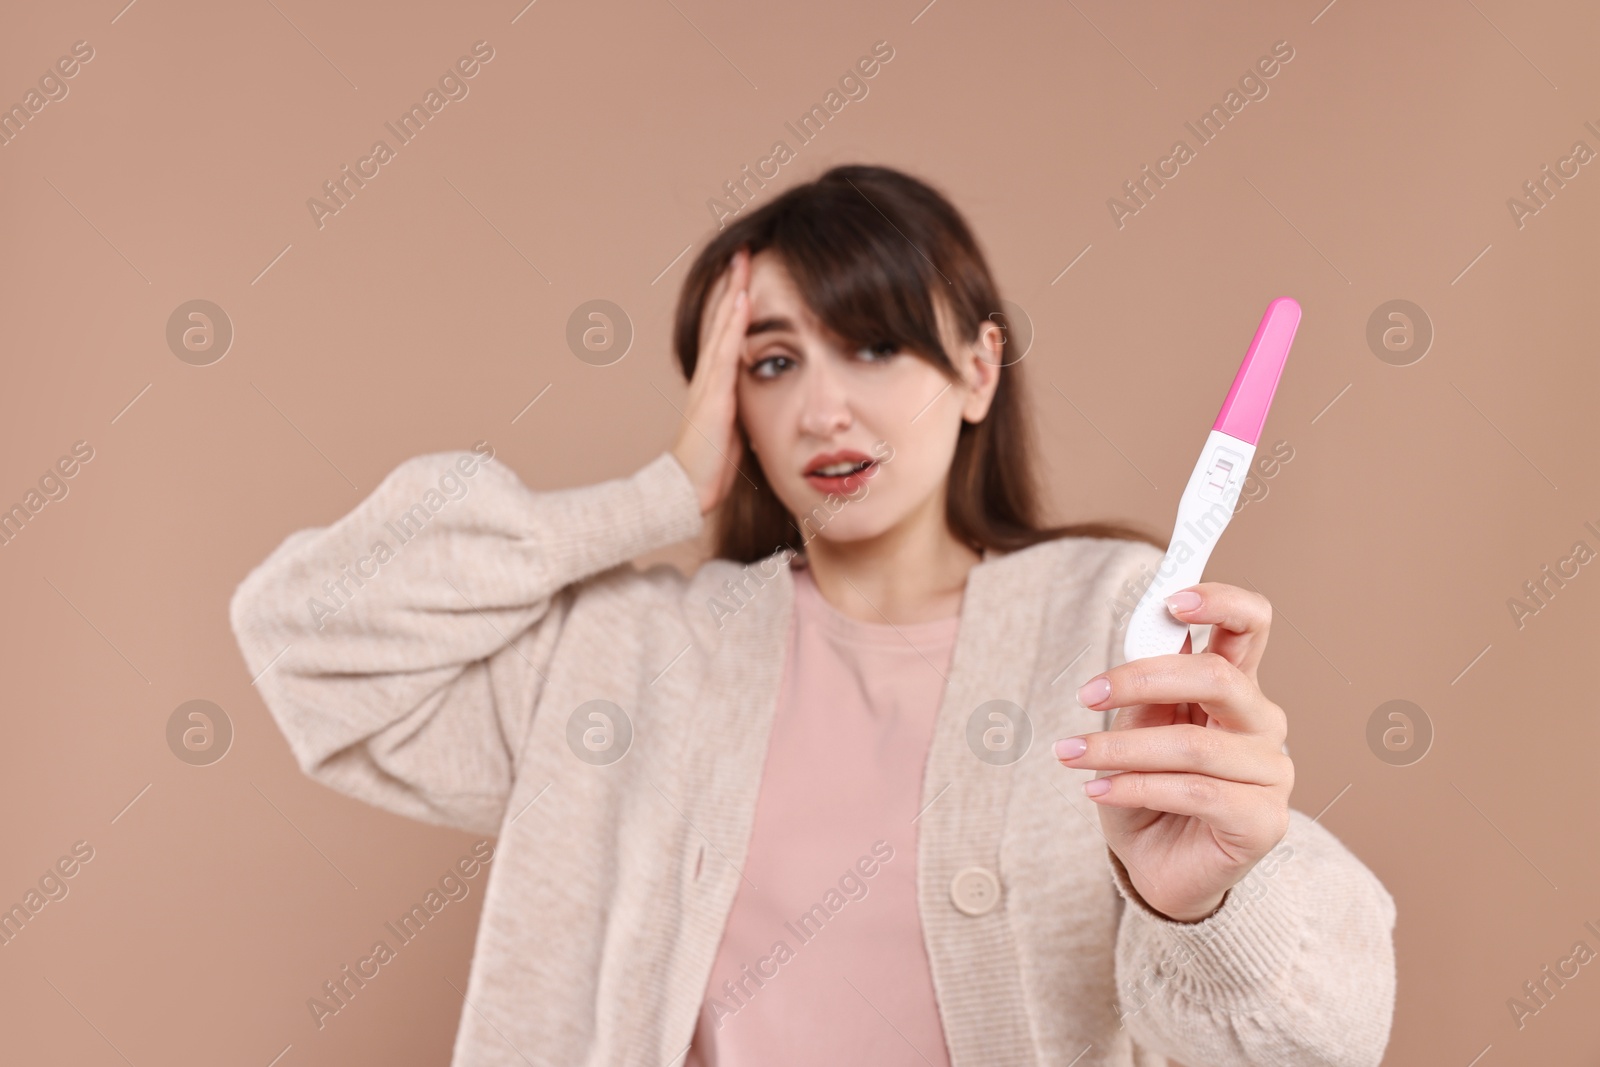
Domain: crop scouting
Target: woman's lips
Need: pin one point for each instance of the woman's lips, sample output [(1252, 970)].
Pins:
[(843, 484)]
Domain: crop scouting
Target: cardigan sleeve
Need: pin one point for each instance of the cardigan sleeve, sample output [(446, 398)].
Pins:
[(402, 649), (1295, 969)]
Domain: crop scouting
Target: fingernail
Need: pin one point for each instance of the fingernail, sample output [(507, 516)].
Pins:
[(1071, 747), (740, 298), (1093, 692), (1187, 600), (1095, 787)]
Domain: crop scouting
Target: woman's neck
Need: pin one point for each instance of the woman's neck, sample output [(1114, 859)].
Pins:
[(914, 572)]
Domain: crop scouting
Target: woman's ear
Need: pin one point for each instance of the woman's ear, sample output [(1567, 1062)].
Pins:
[(981, 363)]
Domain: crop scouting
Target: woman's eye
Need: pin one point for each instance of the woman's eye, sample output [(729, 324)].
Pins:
[(768, 368), (879, 351)]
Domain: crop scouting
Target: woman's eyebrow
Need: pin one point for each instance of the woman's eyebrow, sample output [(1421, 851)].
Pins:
[(770, 325)]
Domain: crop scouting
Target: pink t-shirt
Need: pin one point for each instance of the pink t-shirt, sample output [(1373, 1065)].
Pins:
[(822, 960)]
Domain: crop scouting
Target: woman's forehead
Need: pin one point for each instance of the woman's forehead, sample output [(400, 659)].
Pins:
[(770, 279), (776, 303), (778, 306)]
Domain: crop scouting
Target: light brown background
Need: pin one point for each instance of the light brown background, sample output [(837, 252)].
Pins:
[(427, 314)]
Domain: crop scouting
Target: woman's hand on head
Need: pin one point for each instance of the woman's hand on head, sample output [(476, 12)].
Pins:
[(709, 445), (1203, 786)]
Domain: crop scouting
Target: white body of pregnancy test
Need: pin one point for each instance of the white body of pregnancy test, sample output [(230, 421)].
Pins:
[(1208, 500)]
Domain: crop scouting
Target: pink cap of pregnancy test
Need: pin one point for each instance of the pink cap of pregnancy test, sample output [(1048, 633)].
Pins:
[(1244, 412)]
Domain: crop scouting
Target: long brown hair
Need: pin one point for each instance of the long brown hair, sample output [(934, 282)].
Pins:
[(866, 245)]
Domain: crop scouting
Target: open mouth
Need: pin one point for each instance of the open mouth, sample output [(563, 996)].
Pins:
[(839, 470), (842, 476)]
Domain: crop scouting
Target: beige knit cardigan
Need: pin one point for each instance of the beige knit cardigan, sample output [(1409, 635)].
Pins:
[(443, 686)]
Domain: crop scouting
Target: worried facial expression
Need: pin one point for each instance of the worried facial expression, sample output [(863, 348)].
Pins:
[(872, 425)]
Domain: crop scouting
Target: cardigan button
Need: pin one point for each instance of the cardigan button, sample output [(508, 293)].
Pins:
[(975, 890)]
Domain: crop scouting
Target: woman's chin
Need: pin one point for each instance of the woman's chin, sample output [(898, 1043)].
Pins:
[(843, 530)]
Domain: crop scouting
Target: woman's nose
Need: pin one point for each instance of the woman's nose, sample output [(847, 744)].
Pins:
[(826, 408)]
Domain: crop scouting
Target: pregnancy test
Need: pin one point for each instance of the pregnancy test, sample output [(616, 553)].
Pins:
[(1208, 499)]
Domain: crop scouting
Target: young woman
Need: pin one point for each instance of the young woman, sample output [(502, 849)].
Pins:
[(832, 798)]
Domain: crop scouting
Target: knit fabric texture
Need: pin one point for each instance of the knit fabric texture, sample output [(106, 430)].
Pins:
[(497, 664)]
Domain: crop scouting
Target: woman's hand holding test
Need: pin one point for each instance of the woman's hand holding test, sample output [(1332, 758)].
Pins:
[(1203, 786)]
